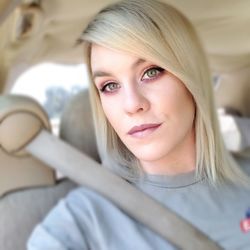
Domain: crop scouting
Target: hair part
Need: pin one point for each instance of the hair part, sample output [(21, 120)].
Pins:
[(159, 33)]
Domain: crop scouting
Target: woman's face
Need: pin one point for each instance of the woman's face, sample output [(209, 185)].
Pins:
[(149, 108)]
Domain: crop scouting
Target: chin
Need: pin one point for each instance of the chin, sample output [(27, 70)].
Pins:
[(150, 154)]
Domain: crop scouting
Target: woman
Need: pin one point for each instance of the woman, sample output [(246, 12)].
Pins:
[(156, 126)]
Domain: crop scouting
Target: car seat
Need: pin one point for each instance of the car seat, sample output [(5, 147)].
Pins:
[(28, 187), (232, 96)]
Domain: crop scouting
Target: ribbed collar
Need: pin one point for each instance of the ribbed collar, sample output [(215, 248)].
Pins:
[(170, 181)]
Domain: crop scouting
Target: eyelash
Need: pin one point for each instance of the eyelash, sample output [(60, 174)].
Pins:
[(159, 69), (104, 87)]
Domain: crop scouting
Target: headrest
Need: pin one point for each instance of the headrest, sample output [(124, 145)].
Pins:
[(233, 91), (77, 126), (232, 96), (235, 131), (21, 119)]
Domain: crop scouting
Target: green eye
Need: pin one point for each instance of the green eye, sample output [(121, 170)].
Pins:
[(152, 73), (110, 87)]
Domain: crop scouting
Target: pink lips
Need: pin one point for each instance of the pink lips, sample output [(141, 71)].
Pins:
[(138, 130)]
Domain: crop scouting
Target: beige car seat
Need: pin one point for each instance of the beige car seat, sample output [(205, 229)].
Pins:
[(28, 188), (77, 126), (232, 96), (19, 170)]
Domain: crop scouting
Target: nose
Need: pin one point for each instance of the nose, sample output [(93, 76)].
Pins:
[(135, 101)]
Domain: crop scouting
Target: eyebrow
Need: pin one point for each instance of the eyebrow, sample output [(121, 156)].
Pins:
[(133, 65)]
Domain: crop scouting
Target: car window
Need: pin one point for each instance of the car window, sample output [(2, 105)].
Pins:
[(52, 85)]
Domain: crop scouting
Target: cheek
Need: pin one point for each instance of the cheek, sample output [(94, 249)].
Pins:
[(112, 113), (185, 103), (186, 109), (176, 102)]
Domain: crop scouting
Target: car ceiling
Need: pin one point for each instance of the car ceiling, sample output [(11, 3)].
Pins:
[(47, 30)]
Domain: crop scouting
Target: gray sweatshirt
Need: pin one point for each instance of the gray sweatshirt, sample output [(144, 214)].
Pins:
[(86, 220)]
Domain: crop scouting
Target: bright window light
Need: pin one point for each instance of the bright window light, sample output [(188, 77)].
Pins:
[(35, 81)]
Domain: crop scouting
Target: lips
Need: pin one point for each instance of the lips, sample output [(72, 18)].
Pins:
[(143, 127)]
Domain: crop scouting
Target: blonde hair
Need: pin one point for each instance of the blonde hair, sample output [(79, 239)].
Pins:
[(159, 33)]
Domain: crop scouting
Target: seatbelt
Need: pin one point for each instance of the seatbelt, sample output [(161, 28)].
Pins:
[(85, 171)]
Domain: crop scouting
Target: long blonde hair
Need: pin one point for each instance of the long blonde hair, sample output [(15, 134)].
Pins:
[(159, 33)]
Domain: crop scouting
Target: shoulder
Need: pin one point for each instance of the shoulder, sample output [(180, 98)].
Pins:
[(86, 200), (89, 207), (81, 204), (83, 194), (66, 225)]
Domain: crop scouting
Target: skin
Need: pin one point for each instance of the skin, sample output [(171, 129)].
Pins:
[(134, 91)]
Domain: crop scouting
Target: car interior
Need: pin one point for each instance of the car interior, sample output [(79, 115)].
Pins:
[(36, 31)]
